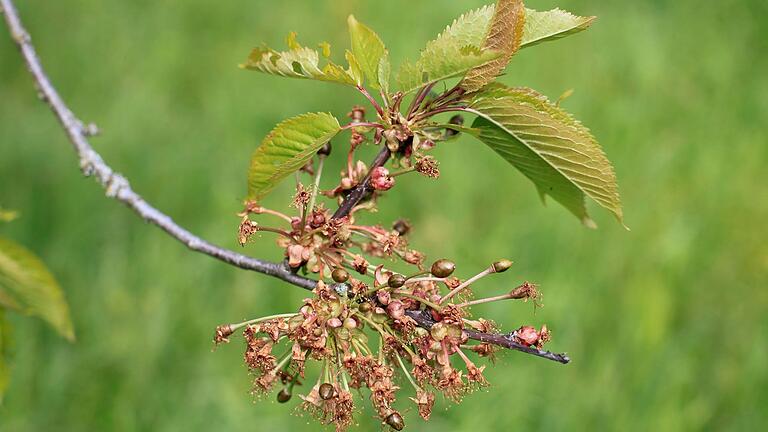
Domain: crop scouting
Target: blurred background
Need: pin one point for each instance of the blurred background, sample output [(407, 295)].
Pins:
[(666, 323)]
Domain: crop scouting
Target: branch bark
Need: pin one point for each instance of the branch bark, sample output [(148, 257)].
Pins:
[(118, 188), (503, 340)]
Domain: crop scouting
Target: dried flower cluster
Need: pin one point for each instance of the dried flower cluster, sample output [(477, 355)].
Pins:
[(366, 324)]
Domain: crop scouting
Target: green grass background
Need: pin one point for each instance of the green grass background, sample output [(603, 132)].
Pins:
[(666, 324)]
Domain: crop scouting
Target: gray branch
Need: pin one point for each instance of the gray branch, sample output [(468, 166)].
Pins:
[(115, 185)]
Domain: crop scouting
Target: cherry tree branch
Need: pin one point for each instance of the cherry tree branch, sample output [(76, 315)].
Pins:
[(115, 185), (118, 188), (503, 340)]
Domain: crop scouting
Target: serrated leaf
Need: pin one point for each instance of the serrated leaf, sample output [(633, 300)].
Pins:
[(454, 52), (548, 146), (369, 50), (550, 25), (289, 146), (504, 34), (302, 62), (27, 286), (385, 70)]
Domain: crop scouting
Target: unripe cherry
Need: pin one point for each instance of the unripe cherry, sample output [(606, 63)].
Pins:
[(395, 421), (326, 391), (443, 268), (340, 275), (284, 396), (396, 281)]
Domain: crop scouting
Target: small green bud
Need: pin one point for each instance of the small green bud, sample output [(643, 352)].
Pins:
[(501, 266)]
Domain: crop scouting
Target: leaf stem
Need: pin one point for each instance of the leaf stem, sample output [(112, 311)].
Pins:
[(373, 102)]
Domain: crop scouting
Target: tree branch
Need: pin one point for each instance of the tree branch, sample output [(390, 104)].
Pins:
[(117, 186), (502, 340)]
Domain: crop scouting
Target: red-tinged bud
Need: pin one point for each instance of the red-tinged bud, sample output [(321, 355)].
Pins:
[(383, 297), (396, 310), (527, 335), (350, 323), (443, 268), (334, 323), (340, 275), (380, 179)]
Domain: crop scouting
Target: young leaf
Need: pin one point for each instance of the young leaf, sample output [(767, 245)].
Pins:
[(26, 285), (548, 146), (550, 25), (289, 146), (455, 51), (505, 35), (302, 62), (369, 50)]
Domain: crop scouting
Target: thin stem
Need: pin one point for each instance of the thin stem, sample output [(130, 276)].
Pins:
[(420, 98), (315, 188), (373, 102), (467, 283), (484, 300), (403, 171), (437, 111), (407, 374), (363, 124), (259, 320), (418, 299)]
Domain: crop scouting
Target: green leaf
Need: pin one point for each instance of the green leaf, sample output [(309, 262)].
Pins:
[(369, 50), (27, 286), (550, 25), (504, 34), (289, 146), (5, 353), (302, 62), (385, 70), (455, 51), (548, 146)]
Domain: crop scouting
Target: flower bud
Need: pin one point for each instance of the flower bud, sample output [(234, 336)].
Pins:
[(334, 323), (443, 268), (396, 281), (501, 266), (380, 179), (396, 310), (383, 297), (350, 323), (340, 275), (527, 335)]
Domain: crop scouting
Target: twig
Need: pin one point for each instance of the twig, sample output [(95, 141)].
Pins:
[(117, 186), (502, 340)]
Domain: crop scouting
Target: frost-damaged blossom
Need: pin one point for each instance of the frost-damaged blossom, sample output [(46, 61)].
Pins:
[(380, 316)]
